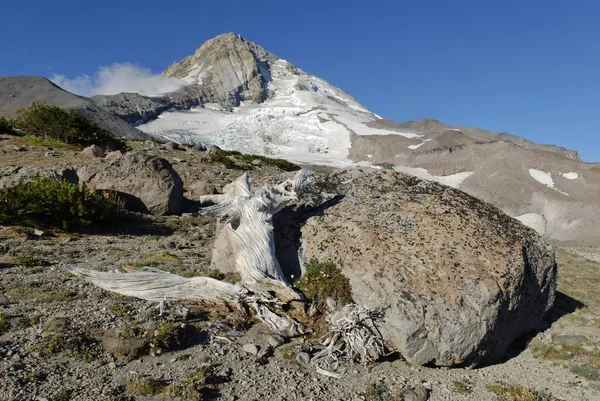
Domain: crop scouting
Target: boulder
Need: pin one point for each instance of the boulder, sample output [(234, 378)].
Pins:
[(93, 151), (457, 280), (200, 188), (10, 176), (114, 155), (148, 184)]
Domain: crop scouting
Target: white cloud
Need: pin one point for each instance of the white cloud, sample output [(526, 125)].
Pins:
[(117, 78)]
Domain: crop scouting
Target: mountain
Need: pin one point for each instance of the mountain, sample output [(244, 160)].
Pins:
[(245, 98), (242, 97), (22, 91)]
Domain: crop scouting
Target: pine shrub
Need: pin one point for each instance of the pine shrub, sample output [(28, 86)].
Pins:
[(7, 126), (49, 203), (68, 126), (324, 280)]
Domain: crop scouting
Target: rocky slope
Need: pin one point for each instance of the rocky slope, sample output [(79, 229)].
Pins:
[(61, 338), (19, 92)]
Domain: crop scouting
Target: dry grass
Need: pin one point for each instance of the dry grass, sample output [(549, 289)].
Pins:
[(508, 392), (578, 278), (38, 293), (563, 352)]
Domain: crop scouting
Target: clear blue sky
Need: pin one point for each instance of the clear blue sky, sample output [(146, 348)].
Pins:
[(526, 67)]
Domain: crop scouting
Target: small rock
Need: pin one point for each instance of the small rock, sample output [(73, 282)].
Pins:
[(303, 358), (200, 188), (170, 244), (50, 153), (18, 148), (93, 151), (199, 147), (114, 155), (173, 146), (178, 160), (257, 162), (15, 357), (275, 340), (39, 233), (417, 394), (569, 339), (213, 149), (251, 349)]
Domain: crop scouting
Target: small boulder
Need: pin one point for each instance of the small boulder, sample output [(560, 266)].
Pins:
[(251, 349), (114, 155), (173, 146), (303, 358), (93, 151), (148, 184), (417, 394), (201, 188)]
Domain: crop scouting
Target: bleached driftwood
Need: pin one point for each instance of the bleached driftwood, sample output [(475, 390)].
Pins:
[(247, 219), (353, 335)]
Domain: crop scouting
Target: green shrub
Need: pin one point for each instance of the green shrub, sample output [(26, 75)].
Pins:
[(324, 280), (4, 325), (45, 202), (68, 126), (7, 126), (234, 159)]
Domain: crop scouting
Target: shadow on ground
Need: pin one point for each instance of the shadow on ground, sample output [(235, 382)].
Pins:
[(133, 224), (563, 305)]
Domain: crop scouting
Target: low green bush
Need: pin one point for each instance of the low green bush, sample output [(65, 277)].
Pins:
[(49, 203), (234, 159), (324, 280), (7, 126), (68, 126)]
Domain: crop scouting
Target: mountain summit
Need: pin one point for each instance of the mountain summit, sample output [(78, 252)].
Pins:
[(242, 97), (234, 68)]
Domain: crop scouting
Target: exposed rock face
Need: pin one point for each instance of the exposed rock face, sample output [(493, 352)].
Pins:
[(233, 68), (135, 108), (457, 279), (18, 92), (149, 184)]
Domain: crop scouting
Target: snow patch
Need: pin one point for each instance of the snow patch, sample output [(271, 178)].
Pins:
[(570, 176), (413, 147), (535, 221), (544, 178), (453, 180)]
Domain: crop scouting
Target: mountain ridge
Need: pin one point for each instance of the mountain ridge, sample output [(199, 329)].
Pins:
[(242, 97)]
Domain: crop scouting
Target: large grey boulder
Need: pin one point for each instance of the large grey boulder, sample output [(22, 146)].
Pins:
[(457, 280), (148, 183)]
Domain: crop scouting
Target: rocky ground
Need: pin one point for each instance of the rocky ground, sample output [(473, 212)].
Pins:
[(64, 339)]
